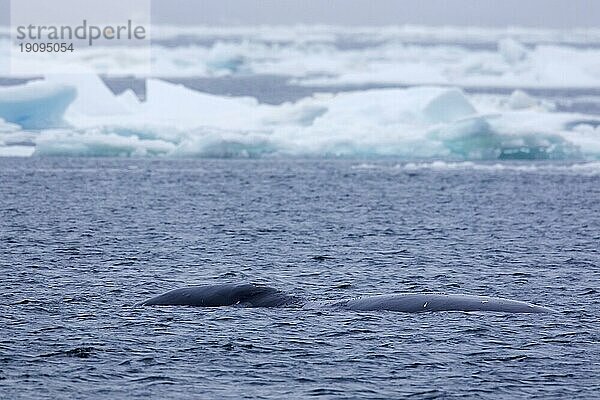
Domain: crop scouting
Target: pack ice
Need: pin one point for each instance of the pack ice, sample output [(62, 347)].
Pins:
[(79, 116)]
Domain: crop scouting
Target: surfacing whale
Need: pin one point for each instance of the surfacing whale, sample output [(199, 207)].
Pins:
[(251, 295), (245, 294)]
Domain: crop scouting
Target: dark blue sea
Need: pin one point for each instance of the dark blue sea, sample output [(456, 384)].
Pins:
[(82, 240)]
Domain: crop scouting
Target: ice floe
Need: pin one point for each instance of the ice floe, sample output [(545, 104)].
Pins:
[(84, 118)]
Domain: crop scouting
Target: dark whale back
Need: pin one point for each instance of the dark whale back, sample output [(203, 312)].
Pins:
[(222, 295), (251, 295), (424, 302)]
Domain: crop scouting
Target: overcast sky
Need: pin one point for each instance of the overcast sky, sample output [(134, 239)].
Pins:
[(531, 13)]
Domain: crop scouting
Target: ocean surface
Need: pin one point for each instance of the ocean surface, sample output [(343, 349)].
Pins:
[(84, 239), (329, 163), (406, 92)]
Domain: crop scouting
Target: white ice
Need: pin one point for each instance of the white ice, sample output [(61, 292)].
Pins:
[(312, 55), (413, 123)]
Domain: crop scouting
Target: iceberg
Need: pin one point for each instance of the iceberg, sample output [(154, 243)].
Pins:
[(425, 122), (512, 51), (37, 104), (182, 107), (332, 55), (7, 127), (447, 106), (408, 55), (93, 97), (519, 100)]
